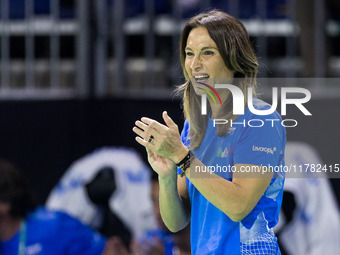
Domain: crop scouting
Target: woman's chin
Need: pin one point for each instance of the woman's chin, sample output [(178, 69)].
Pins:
[(201, 86), (199, 90)]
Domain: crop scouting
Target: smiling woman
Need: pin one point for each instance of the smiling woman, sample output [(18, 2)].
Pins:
[(217, 47), (232, 211)]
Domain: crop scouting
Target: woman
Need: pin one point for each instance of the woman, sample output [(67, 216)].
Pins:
[(232, 211)]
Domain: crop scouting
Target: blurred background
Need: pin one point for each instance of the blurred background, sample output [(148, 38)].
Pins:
[(76, 74)]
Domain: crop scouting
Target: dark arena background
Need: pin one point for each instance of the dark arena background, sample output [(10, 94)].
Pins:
[(45, 137)]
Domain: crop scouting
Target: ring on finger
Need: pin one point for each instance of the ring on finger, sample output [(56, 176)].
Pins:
[(150, 140)]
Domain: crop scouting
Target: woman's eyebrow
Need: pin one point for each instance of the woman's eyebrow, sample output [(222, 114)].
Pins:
[(204, 48), (208, 47)]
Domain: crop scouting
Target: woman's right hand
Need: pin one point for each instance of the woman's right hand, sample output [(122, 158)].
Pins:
[(162, 143), (163, 139)]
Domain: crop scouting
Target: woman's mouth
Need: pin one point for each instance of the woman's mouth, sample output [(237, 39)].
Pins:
[(201, 77)]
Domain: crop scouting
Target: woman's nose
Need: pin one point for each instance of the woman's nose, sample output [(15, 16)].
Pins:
[(196, 63)]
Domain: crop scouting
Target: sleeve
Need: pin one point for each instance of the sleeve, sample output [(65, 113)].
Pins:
[(185, 134), (79, 238), (261, 145)]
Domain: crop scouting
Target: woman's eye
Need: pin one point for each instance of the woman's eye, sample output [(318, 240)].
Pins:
[(189, 54), (208, 52)]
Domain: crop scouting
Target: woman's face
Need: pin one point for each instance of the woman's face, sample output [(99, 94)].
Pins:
[(203, 61)]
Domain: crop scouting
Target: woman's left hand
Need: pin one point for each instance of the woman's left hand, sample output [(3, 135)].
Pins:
[(165, 139)]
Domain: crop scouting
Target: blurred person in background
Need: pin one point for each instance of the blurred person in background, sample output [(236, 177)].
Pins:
[(31, 230), (109, 190), (310, 219)]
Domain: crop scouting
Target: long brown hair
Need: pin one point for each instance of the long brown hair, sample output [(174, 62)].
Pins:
[(234, 46)]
